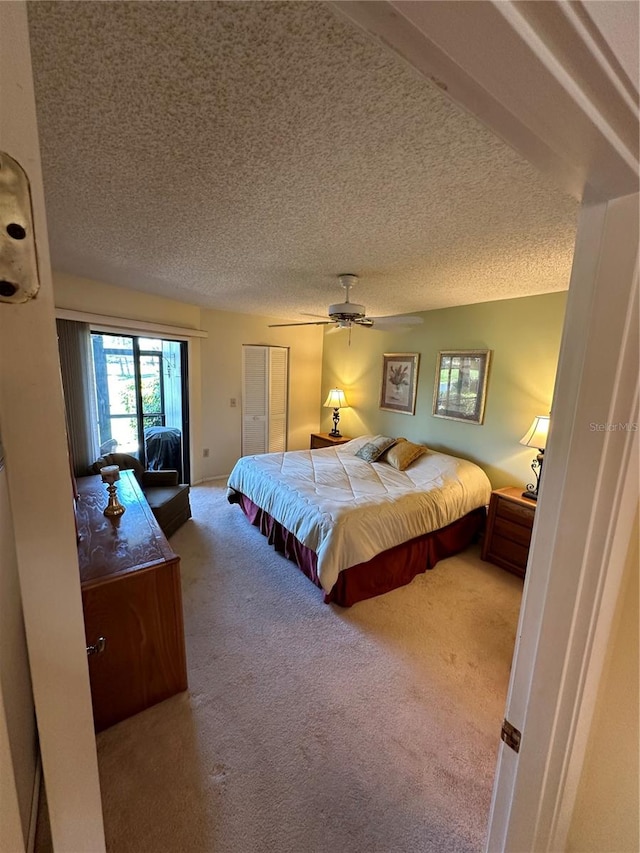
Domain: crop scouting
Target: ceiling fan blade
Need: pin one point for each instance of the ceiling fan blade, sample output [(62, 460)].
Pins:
[(396, 320), (310, 323)]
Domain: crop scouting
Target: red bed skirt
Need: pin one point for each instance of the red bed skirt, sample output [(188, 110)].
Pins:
[(389, 570)]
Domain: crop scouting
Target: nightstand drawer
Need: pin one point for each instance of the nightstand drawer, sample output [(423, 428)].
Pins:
[(508, 554), (515, 532), (516, 513)]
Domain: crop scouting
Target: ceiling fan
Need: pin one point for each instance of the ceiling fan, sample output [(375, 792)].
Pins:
[(345, 314)]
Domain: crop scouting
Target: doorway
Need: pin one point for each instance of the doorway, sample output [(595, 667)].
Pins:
[(142, 399)]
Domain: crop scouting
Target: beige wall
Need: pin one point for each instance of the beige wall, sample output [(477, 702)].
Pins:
[(524, 337), (606, 815), (18, 750), (83, 294), (215, 364), (222, 381)]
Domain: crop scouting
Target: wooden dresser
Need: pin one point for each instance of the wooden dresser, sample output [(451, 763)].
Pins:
[(130, 581), (508, 534), (325, 439)]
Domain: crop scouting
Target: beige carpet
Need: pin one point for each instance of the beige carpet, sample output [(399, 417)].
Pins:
[(309, 728)]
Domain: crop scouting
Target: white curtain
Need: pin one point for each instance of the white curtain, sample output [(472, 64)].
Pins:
[(78, 382)]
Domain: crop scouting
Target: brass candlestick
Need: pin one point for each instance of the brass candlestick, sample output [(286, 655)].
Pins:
[(110, 474)]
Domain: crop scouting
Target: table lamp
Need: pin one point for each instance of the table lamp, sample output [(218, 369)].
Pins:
[(536, 436), (336, 401)]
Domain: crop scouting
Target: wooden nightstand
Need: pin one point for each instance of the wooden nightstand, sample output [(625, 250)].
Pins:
[(323, 439), (508, 534)]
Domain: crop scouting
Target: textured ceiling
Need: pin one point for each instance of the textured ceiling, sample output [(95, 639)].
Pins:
[(240, 155)]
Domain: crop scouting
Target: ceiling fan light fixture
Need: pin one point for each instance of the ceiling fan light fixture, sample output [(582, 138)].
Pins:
[(346, 311)]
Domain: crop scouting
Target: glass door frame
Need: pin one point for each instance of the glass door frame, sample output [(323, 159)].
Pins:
[(139, 353), (139, 415)]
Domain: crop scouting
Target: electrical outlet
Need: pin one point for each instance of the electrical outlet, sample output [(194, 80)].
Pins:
[(205, 452), (233, 402)]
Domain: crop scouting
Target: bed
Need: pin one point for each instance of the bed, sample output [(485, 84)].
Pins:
[(358, 528)]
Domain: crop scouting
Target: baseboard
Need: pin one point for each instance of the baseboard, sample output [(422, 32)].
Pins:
[(212, 479), (35, 802)]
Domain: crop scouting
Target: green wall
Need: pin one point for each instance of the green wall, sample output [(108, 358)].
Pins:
[(524, 338)]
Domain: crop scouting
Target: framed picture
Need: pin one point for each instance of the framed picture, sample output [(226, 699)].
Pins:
[(399, 382), (461, 385)]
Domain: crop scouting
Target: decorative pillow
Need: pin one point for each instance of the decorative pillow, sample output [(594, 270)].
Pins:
[(373, 450), (403, 453)]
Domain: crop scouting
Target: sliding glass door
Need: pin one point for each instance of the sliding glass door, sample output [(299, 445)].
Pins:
[(141, 393)]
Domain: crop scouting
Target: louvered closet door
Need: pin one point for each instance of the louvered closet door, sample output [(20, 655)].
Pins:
[(255, 395), (277, 414), (264, 399)]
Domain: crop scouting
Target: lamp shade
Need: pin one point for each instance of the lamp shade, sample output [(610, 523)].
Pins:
[(336, 399), (536, 435)]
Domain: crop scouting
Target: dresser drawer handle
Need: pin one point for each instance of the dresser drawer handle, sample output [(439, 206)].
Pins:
[(99, 647)]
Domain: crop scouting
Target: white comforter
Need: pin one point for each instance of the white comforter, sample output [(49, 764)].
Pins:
[(348, 510)]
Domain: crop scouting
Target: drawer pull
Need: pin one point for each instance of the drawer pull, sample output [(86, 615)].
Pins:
[(99, 647)]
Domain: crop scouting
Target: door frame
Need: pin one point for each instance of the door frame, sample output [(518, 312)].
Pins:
[(40, 491), (135, 335)]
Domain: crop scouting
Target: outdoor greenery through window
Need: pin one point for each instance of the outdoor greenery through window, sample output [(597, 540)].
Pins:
[(461, 381)]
